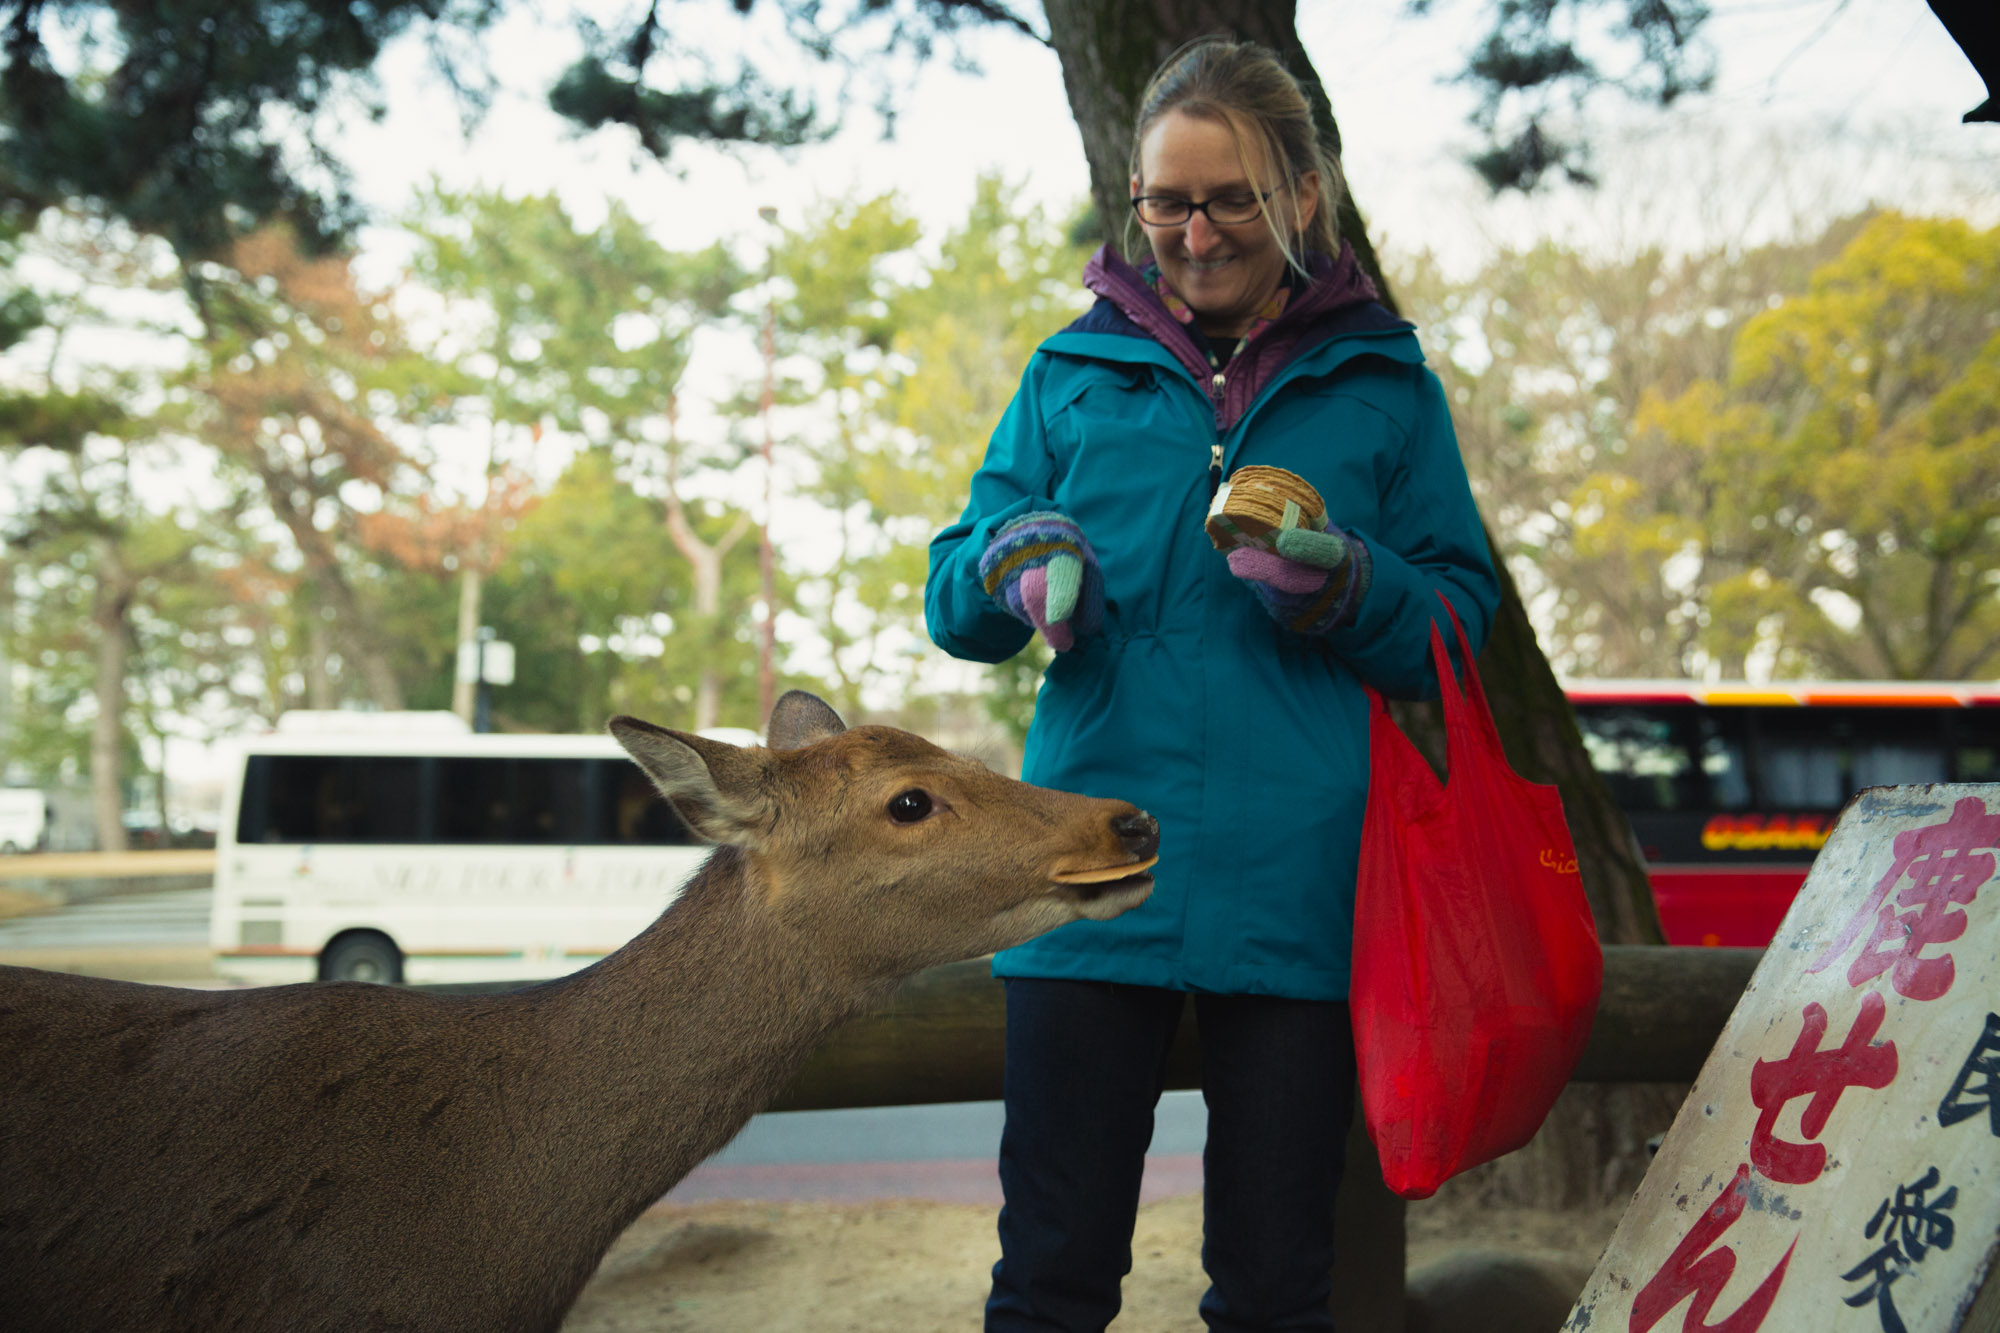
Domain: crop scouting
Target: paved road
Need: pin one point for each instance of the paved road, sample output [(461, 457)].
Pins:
[(946, 1153), (129, 921), (926, 1152)]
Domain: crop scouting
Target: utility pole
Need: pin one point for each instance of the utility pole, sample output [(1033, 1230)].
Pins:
[(484, 660), (768, 634), (482, 698)]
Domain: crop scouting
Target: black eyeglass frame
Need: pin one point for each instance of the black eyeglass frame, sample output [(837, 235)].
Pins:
[(1191, 207)]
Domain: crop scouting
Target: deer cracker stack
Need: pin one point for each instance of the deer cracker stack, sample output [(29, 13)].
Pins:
[(1249, 508)]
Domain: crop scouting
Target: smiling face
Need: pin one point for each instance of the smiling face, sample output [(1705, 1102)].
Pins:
[(1225, 274)]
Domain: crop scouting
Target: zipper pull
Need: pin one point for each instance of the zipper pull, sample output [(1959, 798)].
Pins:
[(1216, 384), (1214, 464)]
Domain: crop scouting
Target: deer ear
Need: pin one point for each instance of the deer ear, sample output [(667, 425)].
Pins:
[(716, 788), (798, 719)]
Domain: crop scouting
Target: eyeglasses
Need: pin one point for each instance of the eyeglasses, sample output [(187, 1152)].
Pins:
[(1225, 210)]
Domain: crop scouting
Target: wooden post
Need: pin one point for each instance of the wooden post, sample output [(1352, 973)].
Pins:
[(943, 1038)]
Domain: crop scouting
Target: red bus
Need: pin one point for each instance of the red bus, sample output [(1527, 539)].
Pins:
[(1731, 788)]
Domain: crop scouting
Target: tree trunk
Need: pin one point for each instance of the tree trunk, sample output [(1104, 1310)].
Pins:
[(357, 639), (108, 613), (1109, 50), (1594, 1140), (705, 561), (319, 650), (469, 588), (356, 635)]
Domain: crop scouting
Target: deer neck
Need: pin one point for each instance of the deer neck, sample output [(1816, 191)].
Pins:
[(668, 1046)]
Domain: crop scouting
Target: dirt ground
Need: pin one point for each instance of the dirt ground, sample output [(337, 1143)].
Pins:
[(916, 1267), (26, 902)]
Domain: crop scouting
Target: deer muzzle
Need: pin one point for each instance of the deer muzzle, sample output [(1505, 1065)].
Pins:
[(1138, 834)]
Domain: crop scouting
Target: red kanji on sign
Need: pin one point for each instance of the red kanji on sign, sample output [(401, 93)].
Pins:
[(1822, 1075), (1946, 864), (1691, 1271)]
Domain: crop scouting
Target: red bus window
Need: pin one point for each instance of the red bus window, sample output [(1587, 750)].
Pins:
[(1731, 789)]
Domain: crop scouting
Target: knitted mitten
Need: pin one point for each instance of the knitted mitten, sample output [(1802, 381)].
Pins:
[(1313, 581), (1044, 573)]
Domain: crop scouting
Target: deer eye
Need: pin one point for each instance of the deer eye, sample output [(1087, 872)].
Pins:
[(909, 806)]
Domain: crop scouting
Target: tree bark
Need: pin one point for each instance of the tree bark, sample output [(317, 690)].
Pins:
[(705, 561), (1594, 1141), (319, 651), (322, 562), (1109, 50), (469, 587)]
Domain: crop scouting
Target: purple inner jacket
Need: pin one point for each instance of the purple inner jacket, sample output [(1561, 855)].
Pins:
[(1332, 284)]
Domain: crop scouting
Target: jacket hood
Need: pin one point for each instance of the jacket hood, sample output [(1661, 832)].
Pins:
[(1336, 298)]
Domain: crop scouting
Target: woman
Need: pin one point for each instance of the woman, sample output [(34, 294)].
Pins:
[(1223, 695)]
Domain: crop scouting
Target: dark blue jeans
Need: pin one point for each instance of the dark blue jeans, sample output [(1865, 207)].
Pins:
[(1083, 1075)]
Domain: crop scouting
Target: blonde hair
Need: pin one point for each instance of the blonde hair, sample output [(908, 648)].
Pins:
[(1243, 85)]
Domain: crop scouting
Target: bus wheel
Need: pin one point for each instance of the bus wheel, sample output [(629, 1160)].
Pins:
[(9, 849), (371, 958)]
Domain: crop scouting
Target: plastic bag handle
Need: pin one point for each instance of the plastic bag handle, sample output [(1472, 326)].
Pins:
[(1472, 698)]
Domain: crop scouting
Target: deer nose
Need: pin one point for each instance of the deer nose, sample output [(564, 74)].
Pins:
[(1140, 833)]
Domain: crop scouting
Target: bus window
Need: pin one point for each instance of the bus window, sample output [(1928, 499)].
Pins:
[(331, 798), (477, 858), (1975, 746), (637, 812), (1643, 754), (1723, 745), (1889, 751), (1818, 757), (517, 801), (1799, 760)]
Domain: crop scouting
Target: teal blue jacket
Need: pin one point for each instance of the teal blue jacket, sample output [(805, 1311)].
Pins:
[(1247, 741)]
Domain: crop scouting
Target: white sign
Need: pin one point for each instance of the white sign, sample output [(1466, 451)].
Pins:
[(1836, 1168), (498, 662)]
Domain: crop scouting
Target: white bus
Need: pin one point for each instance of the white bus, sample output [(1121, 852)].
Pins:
[(24, 820), (402, 848)]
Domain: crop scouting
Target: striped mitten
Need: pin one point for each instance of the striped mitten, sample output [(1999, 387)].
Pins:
[(1312, 582), (1040, 568)]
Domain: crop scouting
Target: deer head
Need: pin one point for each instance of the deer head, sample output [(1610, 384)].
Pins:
[(890, 853)]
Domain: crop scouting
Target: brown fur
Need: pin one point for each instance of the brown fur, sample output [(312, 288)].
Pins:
[(349, 1157)]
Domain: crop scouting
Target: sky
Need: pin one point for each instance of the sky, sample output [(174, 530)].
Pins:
[(1820, 104), (1832, 68)]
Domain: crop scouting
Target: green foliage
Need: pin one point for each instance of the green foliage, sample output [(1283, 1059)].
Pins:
[(916, 360), (591, 332), (1853, 457), (58, 419), (599, 605), (163, 112), (593, 93), (1537, 54), (93, 556), (1006, 280), (588, 329), (179, 115), (1693, 461), (307, 387)]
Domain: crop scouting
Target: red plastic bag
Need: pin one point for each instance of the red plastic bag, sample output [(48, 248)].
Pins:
[(1476, 963)]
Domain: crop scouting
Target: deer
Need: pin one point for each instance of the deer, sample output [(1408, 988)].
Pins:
[(345, 1156)]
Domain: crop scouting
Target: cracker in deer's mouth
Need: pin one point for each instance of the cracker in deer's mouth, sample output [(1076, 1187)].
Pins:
[(1100, 880)]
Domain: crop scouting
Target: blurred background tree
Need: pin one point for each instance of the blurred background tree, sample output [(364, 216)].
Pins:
[(1849, 455)]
